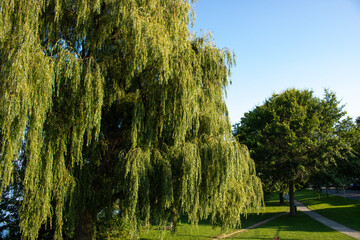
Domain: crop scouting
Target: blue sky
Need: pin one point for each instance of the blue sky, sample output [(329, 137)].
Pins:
[(280, 44)]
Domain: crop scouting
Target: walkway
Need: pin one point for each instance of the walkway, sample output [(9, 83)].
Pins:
[(330, 223), (301, 207), (352, 194)]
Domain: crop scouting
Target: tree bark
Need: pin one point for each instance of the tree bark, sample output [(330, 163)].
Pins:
[(281, 197), (85, 227), (292, 200), (327, 191)]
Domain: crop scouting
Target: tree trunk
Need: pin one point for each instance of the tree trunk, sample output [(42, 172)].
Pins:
[(327, 191), (281, 197), (292, 200), (85, 227)]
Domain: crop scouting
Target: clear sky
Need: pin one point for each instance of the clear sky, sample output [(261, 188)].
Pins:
[(280, 44)]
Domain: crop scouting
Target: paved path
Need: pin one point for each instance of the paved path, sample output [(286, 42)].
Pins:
[(353, 194), (301, 207), (330, 223)]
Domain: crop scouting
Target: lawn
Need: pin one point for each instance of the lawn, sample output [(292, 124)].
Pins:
[(205, 231), (341, 210), (286, 227)]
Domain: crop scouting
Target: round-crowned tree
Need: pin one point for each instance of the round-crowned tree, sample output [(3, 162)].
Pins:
[(291, 137)]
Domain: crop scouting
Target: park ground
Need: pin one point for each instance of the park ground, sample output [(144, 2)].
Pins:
[(342, 210)]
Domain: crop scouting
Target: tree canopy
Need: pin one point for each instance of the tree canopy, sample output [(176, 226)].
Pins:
[(291, 136), (347, 162), (118, 107)]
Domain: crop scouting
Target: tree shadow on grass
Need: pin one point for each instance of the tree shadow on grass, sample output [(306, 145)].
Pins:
[(299, 227), (185, 231), (309, 197), (338, 209)]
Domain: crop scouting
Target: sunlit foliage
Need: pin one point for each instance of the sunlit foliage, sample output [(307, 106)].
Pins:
[(118, 104), (292, 136)]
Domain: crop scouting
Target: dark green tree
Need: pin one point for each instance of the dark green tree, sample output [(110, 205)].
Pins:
[(349, 168), (346, 167), (290, 137), (121, 108)]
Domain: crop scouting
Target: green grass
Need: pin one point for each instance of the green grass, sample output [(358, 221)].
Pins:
[(286, 227), (341, 210), (205, 231), (183, 231), (299, 227), (304, 227)]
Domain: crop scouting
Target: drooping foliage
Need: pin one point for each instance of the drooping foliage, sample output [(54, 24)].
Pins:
[(121, 110)]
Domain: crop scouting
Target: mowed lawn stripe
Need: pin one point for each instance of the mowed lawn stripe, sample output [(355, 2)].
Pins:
[(341, 210), (204, 230), (301, 227)]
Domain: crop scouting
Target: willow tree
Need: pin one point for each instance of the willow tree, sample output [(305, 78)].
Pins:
[(118, 106)]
